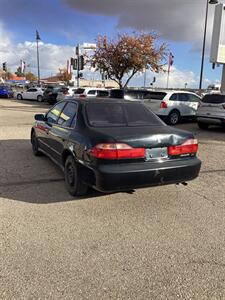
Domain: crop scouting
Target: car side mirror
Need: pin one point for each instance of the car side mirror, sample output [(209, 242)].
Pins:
[(39, 117)]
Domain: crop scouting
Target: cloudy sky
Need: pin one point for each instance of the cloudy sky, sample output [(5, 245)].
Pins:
[(64, 23)]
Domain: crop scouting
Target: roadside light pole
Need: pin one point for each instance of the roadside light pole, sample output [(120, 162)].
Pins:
[(78, 65), (204, 39), (38, 64)]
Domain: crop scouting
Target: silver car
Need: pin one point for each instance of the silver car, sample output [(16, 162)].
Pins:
[(211, 111)]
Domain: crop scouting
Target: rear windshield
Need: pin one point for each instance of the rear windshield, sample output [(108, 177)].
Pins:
[(134, 95), (120, 115), (215, 98), (155, 95), (56, 89), (79, 91)]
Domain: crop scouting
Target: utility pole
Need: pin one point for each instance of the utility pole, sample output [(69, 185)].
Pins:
[(145, 75), (38, 63), (78, 64), (223, 80)]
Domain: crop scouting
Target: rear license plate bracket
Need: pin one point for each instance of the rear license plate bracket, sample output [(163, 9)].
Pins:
[(156, 153)]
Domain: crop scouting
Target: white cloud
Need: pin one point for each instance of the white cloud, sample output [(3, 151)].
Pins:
[(52, 57), (177, 79)]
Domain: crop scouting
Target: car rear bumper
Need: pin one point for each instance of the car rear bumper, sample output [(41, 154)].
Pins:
[(211, 120), (121, 177)]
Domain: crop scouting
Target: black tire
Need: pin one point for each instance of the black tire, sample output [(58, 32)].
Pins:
[(35, 146), (40, 98), (203, 125), (51, 102), (74, 184), (173, 118), (19, 97)]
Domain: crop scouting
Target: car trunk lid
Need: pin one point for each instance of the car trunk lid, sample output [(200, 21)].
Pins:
[(146, 137)]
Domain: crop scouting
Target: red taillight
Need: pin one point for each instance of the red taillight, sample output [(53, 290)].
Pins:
[(189, 147), (66, 93), (82, 96), (224, 106), (163, 104), (117, 151)]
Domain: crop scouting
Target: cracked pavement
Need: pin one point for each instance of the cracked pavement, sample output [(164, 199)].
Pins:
[(157, 243)]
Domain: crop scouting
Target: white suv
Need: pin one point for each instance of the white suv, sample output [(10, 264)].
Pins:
[(91, 92), (65, 92), (211, 111), (172, 105)]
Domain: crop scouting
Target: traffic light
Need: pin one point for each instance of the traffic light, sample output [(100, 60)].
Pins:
[(77, 50), (81, 62), (74, 64), (4, 66)]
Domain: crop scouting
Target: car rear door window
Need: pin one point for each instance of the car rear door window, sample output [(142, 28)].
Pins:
[(183, 97), (214, 99), (174, 97), (53, 115), (102, 93), (68, 114), (91, 92), (120, 115), (193, 98)]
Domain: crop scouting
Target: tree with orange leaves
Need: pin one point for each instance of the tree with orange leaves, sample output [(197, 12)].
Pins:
[(128, 55)]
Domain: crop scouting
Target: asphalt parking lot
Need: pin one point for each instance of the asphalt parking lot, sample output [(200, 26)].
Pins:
[(157, 243)]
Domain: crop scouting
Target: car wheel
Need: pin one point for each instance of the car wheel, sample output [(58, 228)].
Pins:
[(34, 143), (39, 98), (19, 97), (51, 102), (173, 117), (203, 125), (74, 184)]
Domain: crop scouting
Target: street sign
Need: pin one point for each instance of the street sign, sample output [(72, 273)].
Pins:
[(89, 46)]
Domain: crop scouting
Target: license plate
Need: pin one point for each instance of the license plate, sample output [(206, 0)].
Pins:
[(156, 153)]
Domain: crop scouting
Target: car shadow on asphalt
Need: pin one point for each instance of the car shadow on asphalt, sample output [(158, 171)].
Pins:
[(26, 178), (32, 103)]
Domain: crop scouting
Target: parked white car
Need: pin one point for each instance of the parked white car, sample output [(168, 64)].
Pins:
[(211, 111), (31, 94), (91, 92), (172, 105), (65, 92)]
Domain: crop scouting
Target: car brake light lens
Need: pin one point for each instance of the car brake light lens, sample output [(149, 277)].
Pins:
[(117, 151), (224, 106), (82, 96), (188, 147), (163, 104)]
